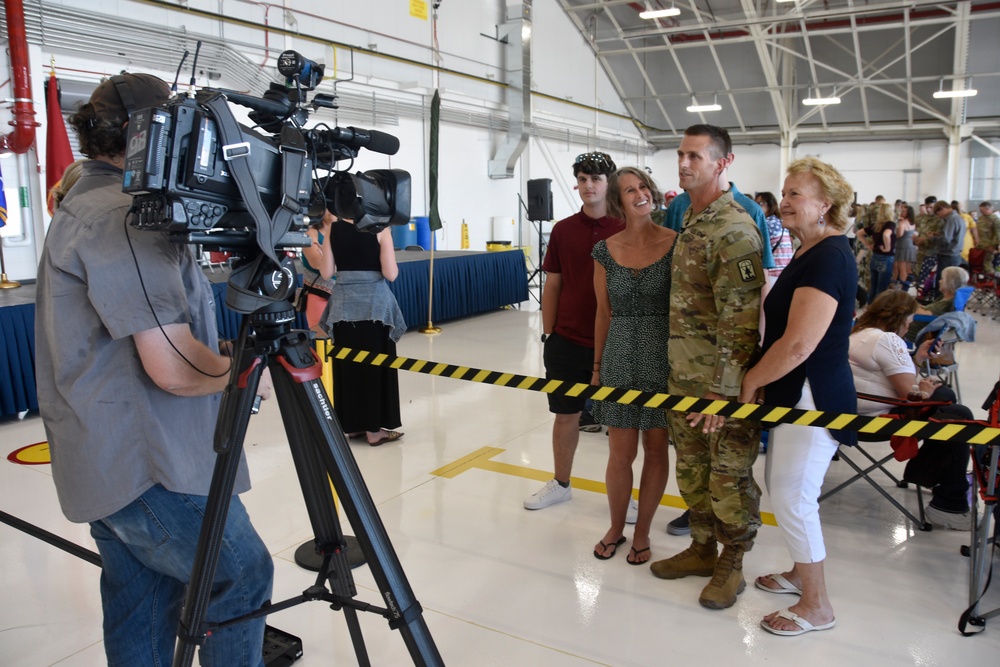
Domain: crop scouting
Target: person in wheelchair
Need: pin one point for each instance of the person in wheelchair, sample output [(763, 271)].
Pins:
[(882, 366)]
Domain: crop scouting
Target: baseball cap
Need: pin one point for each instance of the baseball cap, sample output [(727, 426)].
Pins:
[(116, 98)]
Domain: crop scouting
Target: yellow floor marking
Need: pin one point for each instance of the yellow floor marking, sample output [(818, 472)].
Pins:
[(32, 455), (482, 460)]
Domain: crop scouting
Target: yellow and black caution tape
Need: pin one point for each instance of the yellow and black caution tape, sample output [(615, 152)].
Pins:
[(884, 427)]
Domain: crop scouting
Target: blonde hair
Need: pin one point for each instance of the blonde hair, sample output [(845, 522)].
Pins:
[(62, 187), (615, 208), (882, 215), (832, 184)]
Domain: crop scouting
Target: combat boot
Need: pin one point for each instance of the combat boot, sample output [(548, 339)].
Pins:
[(727, 581), (698, 560)]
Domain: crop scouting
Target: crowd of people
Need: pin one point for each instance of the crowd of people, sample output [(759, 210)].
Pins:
[(901, 247), (677, 302)]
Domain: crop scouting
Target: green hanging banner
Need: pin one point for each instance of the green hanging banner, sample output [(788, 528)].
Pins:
[(435, 216)]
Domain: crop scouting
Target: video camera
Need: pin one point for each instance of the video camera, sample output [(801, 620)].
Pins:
[(192, 169)]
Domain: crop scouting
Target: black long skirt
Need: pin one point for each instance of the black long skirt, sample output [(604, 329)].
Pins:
[(365, 397)]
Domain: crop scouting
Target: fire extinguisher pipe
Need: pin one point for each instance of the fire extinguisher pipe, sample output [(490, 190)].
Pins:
[(23, 136)]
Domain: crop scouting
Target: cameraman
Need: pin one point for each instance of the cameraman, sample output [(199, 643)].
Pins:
[(128, 382)]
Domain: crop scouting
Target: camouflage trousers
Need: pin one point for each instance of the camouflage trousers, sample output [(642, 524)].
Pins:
[(715, 478)]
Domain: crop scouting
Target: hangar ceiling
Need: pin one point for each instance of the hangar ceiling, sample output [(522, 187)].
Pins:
[(759, 59)]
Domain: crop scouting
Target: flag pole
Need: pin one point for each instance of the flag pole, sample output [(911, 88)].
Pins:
[(429, 328), (4, 283)]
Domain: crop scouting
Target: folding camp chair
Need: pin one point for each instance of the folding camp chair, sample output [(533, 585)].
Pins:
[(985, 488), (984, 296), (902, 450)]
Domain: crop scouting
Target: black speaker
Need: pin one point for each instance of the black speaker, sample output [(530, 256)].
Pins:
[(540, 199)]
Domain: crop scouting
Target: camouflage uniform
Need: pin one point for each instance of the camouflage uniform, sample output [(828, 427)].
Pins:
[(716, 280), (928, 229), (989, 235)]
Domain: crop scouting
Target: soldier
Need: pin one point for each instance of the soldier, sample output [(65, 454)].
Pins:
[(674, 219), (927, 237), (717, 278), (988, 227)]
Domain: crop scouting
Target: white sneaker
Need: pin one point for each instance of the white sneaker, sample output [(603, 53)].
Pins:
[(948, 520), (553, 492), (632, 513)]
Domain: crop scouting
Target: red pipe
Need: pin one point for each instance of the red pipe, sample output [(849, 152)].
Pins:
[(23, 136)]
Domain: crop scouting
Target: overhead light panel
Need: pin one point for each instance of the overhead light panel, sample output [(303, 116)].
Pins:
[(659, 13), (784, 0), (696, 108), (944, 94), (818, 101), (941, 94)]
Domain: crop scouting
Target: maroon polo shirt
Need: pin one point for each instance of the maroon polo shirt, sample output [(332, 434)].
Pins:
[(570, 244)]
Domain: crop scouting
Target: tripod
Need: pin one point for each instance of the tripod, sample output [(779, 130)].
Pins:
[(320, 453)]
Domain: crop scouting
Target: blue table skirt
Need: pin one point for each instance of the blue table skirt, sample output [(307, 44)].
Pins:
[(464, 285), (17, 362)]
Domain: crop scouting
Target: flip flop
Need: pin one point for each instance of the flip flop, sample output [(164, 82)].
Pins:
[(804, 625), (635, 552), (390, 436), (605, 547), (784, 585)]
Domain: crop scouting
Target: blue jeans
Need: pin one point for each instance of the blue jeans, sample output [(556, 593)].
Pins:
[(148, 551), (881, 273)]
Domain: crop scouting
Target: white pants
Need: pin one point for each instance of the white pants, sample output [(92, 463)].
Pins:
[(797, 460)]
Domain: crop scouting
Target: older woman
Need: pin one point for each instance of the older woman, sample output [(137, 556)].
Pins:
[(632, 283), (882, 366), (953, 278), (804, 365)]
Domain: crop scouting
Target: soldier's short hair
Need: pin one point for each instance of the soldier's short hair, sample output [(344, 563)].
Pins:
[(929, 199), (614, 198), (986, 204), (834, 186), (721, 142)]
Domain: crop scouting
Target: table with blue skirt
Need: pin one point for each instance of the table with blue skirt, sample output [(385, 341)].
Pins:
[(465, 283)]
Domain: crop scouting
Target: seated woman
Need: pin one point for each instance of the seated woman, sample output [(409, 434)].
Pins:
[(953, 278), (882, 366)]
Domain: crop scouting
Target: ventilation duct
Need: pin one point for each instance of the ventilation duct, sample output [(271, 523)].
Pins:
[(516, 33)]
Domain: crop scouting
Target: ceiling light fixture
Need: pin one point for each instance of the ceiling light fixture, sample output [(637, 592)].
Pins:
[(943, 94), (696, 108), (784, 0), (821, 101), (659, 13)]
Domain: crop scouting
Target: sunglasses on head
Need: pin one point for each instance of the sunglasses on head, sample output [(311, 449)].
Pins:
[(599, 160)]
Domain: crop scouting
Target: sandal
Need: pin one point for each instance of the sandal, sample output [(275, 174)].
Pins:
[(784, 585), (635, 552), (390, 436), (605, 547)]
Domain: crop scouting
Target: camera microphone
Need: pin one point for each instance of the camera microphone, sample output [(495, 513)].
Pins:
[(373, 140)]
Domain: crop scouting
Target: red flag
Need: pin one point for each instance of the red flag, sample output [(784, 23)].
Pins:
[(58, 153)]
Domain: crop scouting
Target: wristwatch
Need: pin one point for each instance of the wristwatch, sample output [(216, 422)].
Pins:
[(545, 337)]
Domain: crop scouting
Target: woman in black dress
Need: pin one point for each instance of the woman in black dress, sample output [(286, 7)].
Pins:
[(363, 315)]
